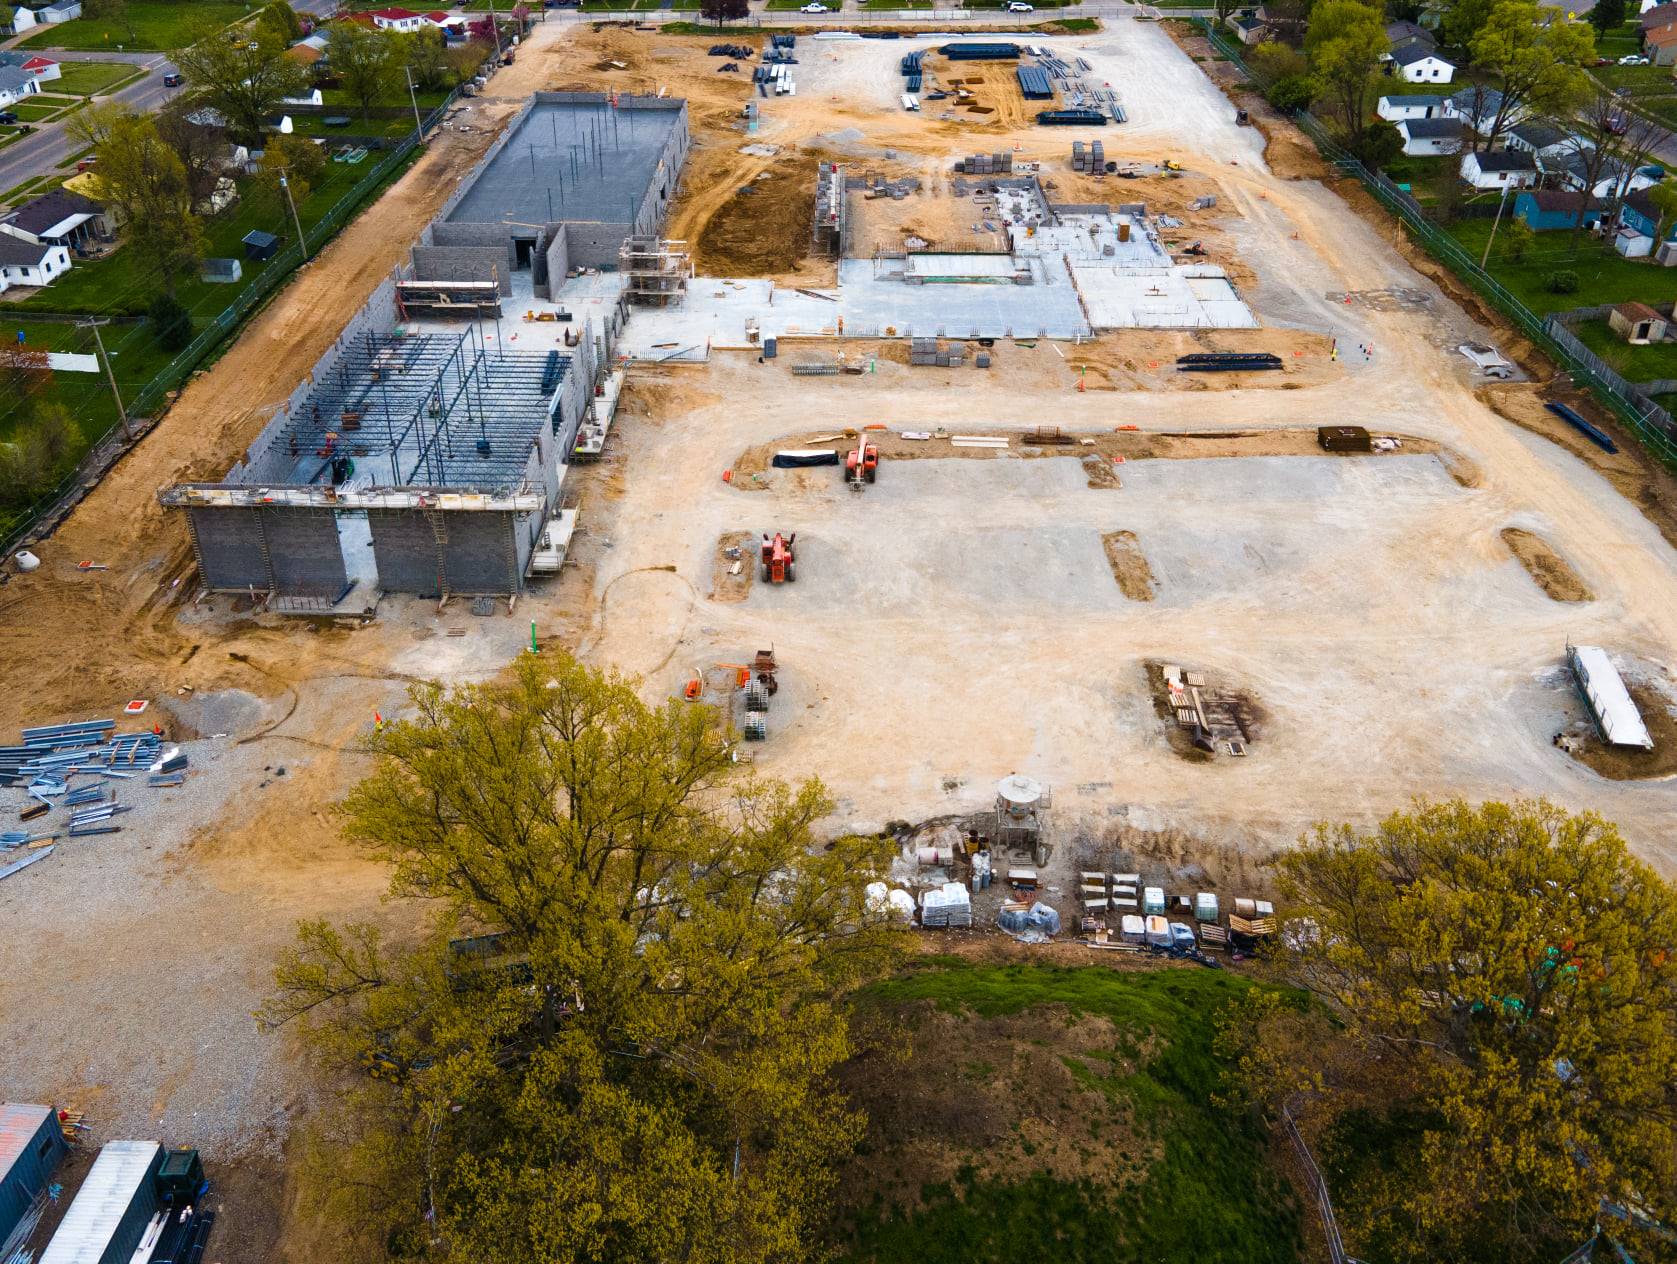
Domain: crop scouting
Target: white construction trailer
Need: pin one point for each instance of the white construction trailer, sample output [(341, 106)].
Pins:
[(1604, 692)]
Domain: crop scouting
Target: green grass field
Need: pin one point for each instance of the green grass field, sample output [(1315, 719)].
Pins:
[(34, 112), (1604, 277), (158, 25), (1061, 1112), (90, 78)]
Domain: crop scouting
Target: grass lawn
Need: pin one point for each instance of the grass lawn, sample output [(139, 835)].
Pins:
[(1603, 276), (1637, 364), (31, 112), (90, 78), (158, 24), (1060, 1112), (28, 189)]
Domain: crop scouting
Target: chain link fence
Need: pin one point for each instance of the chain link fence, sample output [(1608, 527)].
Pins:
[(47, 510), (1651, 424)]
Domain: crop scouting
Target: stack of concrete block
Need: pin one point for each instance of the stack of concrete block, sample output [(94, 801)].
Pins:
[(1091, 160), (985, 164), (927, 352)]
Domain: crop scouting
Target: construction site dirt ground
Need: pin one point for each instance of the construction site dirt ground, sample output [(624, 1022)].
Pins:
[(955, 622)]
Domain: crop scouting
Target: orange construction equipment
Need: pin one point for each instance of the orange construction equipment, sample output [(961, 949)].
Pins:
[(779, 564), (861, 464), (693, 689)]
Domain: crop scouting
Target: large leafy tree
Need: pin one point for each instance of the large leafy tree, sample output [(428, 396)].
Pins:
[(1505, 975), (1345, 43), (145, 179), (630, 1060), (1537, 64), (368, 62), (244, 84)]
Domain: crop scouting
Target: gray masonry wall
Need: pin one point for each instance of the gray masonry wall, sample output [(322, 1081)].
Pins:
[(229, 547), (485, 236), (481, 555), (462, 263), (405, 551), (558, 258), (307, 558)]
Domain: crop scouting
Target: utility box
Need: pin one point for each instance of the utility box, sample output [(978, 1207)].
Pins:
[(1344, 439)]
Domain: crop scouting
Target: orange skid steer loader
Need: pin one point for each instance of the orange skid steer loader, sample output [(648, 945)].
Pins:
[(779, 565)]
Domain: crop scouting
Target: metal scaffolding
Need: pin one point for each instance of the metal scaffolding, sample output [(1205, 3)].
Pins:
[(656, 271)]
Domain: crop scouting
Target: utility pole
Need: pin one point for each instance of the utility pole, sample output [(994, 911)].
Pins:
[(495, 25), (105, 360), (284, 184), (1501, 202), (418, 127)]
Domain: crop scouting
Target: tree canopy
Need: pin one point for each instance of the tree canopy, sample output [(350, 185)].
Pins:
[(245, 84), (1537, 65), (145, 179), (1345, 43), (368, 62), (623, 1052), (1502, 987)]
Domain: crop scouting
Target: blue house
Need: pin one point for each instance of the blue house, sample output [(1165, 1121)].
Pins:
[(1638, 215), (1544, 210)]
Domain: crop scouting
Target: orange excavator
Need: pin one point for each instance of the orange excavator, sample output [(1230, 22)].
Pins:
[(862, 464), (779, 564)]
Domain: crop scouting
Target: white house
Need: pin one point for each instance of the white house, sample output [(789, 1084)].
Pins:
[(63, 11), (1420, 106), (403, 20), (1416, 63), (1477, 107), (16, 84), (1504, 169), (30, 263), (22, 19), (44, 69), (1431, 137), (1613, 181)]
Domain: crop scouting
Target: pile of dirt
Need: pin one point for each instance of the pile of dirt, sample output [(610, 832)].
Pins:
[(1553, 574), (1100, 473), (1625, 763), (730, 576), (1129, 565), (763, 229)]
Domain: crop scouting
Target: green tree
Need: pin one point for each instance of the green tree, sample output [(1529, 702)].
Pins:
[(170, 322), (37, 455), (1608, 15), (630, 1060), (1517, 240), (1382, 144), (278, 23), (1507, 971), (1463, 20), (1345, 43), (720, 11), (1273, 61), (365, 61), (1537, 65), (1295, 92), (1664, 197), (245, 84), (139, 174), (426, 57)]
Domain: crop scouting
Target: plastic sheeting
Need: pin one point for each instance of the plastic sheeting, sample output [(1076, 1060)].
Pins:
[(1040, 917)]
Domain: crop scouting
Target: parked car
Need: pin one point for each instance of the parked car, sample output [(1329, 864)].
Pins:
[(813, 8), (7, 117), (1633, 59), (173, 79), (1019, 6)]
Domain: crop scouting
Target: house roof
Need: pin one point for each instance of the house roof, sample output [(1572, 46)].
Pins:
[(1659, 15), (1562, 200), (395, 14), (1660, 36), (1409, 54), (18, 253), (1538, 135), (1643, 205), (1477, 100), (439, 16), (14, 80), (1249, 24), (25, 61), (1431, 128), (1637, 311), (1506, 160), (1400, 32), (1421, 100), (50, 210)]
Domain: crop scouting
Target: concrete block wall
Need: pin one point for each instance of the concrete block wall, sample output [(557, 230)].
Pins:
[(558, 256), (405, 551), (228, 543), (596, 244), (462, 263), (486, 236), (306, 556), (483, 553)]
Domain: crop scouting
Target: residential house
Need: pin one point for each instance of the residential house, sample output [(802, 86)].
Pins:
[(1503, 169), (16, 19), (1431, 137), (1660, 45), (45, 69), (1638, 222), (1249, 30), (1614, 179), (1649, 4), (1417, 63), (1546, 210), (1420, 106), (402, 20), (1637, 323), (1477, 106), (1549, 145), (62, 11), (1400, 33), (59, 218), (1659, 15), (29, 263), (16, 84)]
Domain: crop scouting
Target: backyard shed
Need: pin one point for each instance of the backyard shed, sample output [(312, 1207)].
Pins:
[(112, 1209), (1604, 692), (31, 1147), (221, 271), (1637, 323), (260, 246)]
